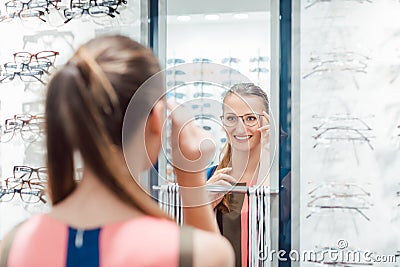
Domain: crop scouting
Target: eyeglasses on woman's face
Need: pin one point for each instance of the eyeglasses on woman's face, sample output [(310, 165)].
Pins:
[(250, 119)]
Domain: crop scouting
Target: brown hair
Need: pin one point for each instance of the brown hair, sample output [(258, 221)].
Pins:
[(86, 102), (241, 89)]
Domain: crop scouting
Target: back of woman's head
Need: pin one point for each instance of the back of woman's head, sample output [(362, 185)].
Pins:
[(86, 102)]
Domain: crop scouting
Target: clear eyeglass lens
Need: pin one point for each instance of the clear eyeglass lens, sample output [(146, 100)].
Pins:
[(6, 194), (31, 75), (230, 120), (6, 134), (22, 57), (42, 174), (73, 13), (38, 3), (98, 11), (7, 77), (13, 6), (11, 124), (30, 195), (46, 55), (23, 117), (22, 172), (30, 132), (42, 65), (10, 67), (249, 120), (28, 14)]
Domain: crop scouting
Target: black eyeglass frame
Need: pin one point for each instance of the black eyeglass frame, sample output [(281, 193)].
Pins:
[(29, 171)]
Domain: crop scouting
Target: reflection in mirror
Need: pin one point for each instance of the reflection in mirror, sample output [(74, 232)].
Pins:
[(236, 35)]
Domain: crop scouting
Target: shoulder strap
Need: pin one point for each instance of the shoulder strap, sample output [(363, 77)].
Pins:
[(210, 171), (7, 242), (185, 246)]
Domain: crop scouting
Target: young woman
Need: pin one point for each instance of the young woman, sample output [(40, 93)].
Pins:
[(244, 160), (106, 219)]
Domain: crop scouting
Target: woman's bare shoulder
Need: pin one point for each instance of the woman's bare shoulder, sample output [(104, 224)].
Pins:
[(211, 249)]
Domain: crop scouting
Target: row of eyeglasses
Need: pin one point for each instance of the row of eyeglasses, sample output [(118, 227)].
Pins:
[(30, 127), (28, 182), (334, 196), (342, 127), (37, 9), (29, 67)]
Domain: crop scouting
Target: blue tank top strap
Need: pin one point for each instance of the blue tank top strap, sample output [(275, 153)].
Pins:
[(83, 247), (210, 171)]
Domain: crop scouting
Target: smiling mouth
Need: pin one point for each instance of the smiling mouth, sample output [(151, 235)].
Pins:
[(242, 137)]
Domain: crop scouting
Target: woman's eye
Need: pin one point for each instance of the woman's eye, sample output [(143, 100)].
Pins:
[(231, 118), (251, 118)]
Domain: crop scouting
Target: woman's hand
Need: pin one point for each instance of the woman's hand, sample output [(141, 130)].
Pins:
[(192, 147), (265, 131), (192, 150), (221, 178), (265, 162)]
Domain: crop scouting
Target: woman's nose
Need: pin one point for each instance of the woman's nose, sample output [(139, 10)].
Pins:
[(240, 125)]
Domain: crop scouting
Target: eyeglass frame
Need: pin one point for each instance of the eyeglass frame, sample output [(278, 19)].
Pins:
[(327, 207), (29, 5), (22, 125), (365, 205), (51, 58), (361, 137), (336, 185), (85, 10), (37, 192), (11, 75), (33, 68), (242, 117), (16, 117), (340, 118), (12, 183), (31, 171), (39, 13)]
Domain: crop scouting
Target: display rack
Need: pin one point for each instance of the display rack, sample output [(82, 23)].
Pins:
[(345, 149), (259, 231)]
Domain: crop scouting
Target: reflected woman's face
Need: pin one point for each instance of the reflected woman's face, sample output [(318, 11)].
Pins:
[(242, 131)]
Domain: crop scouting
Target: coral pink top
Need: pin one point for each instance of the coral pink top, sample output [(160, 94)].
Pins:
[(144, 241)]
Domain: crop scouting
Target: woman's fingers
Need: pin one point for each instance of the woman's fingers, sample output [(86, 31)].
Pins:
[(222, 177), (223, 183), (223, 170), (227, 178), (264, 128), (265, 122), (192, 147), (266, 117)]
